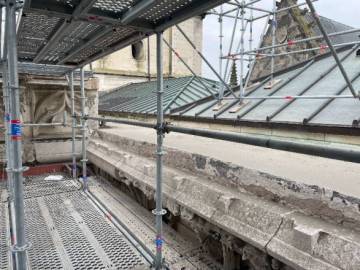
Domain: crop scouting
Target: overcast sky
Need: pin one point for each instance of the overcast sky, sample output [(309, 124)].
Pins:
[(344, 11)]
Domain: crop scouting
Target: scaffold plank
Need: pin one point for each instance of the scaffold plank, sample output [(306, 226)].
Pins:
[(67, 231), (179, 252), (4, 238)]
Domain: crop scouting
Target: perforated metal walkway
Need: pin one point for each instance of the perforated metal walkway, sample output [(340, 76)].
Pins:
[(68, 232), (180, 252), (4, 233)]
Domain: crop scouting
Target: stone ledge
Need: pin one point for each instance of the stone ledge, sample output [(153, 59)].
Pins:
[(286, 234), (312, 200)]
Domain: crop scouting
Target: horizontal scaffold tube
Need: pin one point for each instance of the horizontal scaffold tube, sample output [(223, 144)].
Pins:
[(120, 121), (350, 155)]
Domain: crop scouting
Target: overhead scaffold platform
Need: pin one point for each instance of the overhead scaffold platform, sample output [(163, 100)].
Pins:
[(78, 32)]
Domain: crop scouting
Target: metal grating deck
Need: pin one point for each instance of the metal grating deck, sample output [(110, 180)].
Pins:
[(76, 32), (67, 231), (179, 252), (4, 237)]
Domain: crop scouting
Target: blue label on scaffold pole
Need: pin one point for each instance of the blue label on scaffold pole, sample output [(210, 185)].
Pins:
[(15, 130), (7, 117), (159, 242)]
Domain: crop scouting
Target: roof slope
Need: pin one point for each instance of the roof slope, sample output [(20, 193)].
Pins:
[(186, 97), (332, 26), (141, 97), (318, 77)]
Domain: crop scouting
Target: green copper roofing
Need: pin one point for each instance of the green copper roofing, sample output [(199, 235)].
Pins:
[(318, 77), (141, 97)]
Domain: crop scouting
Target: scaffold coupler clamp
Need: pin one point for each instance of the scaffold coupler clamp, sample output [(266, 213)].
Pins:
[(12, 88), (164, 265), (19, 4), (162, 212), (20, 170), (15, 248), (163, 128)]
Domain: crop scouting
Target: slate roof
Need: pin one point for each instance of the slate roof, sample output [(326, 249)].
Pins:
[(141, 97), (332, 26)]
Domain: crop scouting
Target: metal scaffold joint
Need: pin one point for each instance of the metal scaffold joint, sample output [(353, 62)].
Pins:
[(20, 170), (162, 128), (19, 5), (16, 249), (162, 212)]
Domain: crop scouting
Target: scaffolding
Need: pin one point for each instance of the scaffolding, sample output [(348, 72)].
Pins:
[(107, 29), (231, 10)]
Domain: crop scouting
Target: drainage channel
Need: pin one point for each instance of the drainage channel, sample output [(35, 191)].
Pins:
[(67, 230)]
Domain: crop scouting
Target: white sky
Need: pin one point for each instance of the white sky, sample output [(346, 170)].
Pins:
[(344, 11)]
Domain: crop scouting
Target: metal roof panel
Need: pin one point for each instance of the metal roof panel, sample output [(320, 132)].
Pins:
[(141, 97), (329, 85)]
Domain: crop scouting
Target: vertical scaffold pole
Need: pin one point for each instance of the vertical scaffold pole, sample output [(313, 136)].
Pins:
[(148, 59), (8, 143), (242, 50), (7, 132), (221, 36), (225, 75), (17, 169), (253, 60), (159, 211), (83, 128), (251, 36), (73, 126), (273, 40)]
